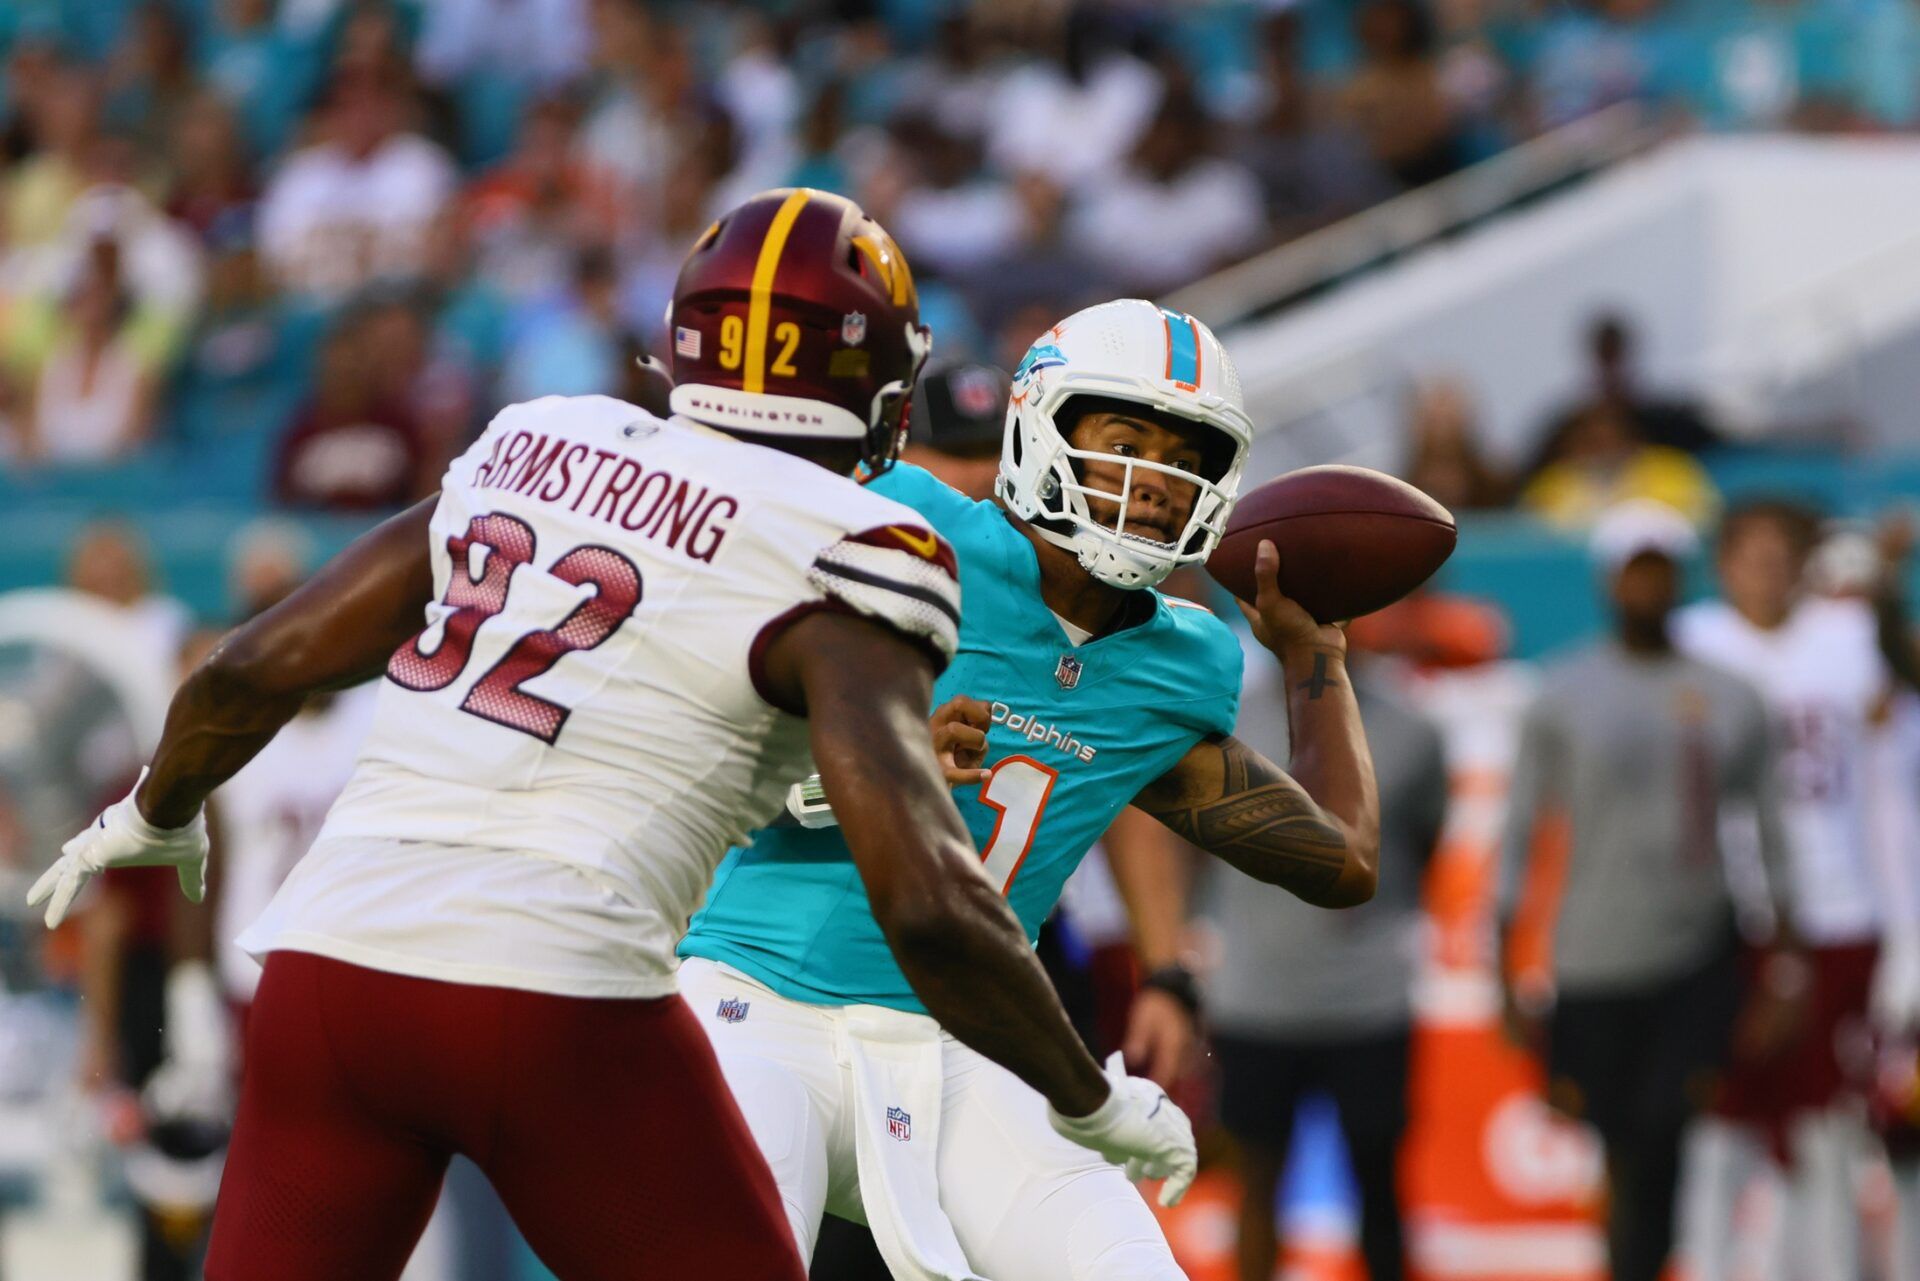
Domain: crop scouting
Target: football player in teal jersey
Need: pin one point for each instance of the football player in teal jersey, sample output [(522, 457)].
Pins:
[(1125, 442)]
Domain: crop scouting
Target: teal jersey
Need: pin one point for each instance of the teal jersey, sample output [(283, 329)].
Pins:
[(1077, 732)]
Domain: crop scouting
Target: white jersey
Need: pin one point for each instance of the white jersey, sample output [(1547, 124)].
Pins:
[(562, 756), (270, 813), (1824, 684)]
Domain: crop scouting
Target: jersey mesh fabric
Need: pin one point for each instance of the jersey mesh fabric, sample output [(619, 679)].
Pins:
[(915, 594)]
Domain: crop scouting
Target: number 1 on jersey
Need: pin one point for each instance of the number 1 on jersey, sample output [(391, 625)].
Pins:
[(1018, 787)]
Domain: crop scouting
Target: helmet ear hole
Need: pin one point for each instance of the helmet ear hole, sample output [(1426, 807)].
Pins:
[(1217, 453)]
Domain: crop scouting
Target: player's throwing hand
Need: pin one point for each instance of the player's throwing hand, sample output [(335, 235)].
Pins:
[(1138, 1127), (122, 837), (1277, 620)]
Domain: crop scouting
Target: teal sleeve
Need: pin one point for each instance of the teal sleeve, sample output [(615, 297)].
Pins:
[(1227, 662), (921, 490)]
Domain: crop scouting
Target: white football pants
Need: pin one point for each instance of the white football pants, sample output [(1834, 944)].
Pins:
[(1024, 1203)]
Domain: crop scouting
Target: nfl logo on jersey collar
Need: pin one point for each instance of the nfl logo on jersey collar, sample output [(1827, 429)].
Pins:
[(1067, 672)]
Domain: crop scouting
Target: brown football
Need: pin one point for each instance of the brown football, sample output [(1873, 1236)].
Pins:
[(1350, 540)]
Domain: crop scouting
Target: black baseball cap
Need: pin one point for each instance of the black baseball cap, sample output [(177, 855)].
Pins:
[(961, 409)]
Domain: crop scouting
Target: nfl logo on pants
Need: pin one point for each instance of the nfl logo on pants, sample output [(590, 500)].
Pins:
[(732, 1009), (899, 1124)]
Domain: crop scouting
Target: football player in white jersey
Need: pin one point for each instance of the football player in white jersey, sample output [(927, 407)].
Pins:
[(1818, 667), (638, 633), (270, 813)]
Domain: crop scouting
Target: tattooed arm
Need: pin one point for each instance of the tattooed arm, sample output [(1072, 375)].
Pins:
[(1239, 806), (1315, 830)]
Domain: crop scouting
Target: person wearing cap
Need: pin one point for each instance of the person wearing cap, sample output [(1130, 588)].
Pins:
[(957, 425), (1643, 752)]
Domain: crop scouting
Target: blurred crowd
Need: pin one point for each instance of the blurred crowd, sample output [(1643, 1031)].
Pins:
[(322, 239), (315, 243), (1614, 440)]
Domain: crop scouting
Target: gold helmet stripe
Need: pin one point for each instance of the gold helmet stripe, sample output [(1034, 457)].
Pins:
[(760, 297), (890, 265)]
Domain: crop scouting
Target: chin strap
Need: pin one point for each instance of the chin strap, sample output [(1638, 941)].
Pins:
[(1046, 527)]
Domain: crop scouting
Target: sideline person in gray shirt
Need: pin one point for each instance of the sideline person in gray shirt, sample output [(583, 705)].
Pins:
[(1307, 1000), (1642, 750)]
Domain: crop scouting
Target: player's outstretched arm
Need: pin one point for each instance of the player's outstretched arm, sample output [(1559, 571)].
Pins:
[(865, 689), (1313, 828), (337, 629)]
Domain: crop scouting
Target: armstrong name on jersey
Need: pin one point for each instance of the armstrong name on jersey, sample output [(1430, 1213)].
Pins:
[(1065, 758), (647, 501)]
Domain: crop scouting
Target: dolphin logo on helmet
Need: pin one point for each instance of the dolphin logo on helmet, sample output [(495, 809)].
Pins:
[(1135, 351)]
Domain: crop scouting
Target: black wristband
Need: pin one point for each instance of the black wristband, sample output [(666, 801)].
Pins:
[(1176, 981)]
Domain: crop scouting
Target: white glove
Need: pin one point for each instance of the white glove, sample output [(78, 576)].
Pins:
[(1895, 1000), (1138, 1127), (121, 837)]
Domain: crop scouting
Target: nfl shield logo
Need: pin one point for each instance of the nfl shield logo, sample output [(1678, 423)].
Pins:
[(732, 1009), (853, 328), (899, 1124), (977, 391), (1068, 672)]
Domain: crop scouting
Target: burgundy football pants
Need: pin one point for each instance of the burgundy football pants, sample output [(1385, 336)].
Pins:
[(605, 1126)]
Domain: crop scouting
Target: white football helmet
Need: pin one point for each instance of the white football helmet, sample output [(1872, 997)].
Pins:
[(1127, 350)]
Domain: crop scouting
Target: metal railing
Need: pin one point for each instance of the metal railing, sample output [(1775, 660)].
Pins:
[(1302, 267), (1815, 340)]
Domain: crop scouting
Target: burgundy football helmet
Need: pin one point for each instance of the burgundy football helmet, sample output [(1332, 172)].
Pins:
[(796, 315)]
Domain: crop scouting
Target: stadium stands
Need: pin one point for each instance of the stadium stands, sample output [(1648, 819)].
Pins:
[(285, 257)]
